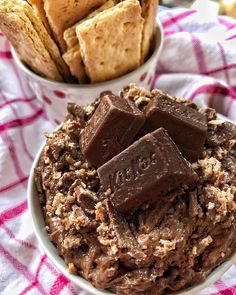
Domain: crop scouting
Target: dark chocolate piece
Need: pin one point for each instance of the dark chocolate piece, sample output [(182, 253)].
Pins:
[(219, 133), (121, 228), (124, 235), (147, 170), (75, 110), (186, 126), (111, 129), (149, 219), (86, 199)]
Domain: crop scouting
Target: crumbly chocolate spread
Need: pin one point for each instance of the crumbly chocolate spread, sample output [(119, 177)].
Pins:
[(157, 249)]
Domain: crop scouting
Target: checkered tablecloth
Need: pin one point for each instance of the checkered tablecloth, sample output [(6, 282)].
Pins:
[(198, 62)]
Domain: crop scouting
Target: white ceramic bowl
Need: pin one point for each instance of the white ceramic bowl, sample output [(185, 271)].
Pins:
[(55, 95), (51, 251)]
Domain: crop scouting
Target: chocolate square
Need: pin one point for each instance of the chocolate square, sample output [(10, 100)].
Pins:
[(111, 129), (147, 170), (186, 126)]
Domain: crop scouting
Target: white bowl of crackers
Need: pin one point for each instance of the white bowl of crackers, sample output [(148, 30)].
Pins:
[(72, 51)]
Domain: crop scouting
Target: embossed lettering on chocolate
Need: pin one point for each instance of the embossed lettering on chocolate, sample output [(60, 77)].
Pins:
[(111, 129), (186, 126), (148, 169)]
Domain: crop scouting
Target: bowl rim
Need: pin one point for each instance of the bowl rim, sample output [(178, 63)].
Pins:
[(159, 32), (58, 262)]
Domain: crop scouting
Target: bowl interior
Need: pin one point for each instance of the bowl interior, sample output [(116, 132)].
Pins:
[(51, 251)]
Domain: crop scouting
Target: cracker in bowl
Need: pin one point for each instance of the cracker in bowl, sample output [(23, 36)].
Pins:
[(47, 40), (66, 13), (74, 60), (73, 56), (18, 28), (39, 10), (149, 12), (93, 41), (70, 34), (109, 53)]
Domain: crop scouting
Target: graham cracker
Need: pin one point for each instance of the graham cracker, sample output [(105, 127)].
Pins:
[(47, 40), (65, 13), (149, 13), (108, 53), (70, 34), (73, 56), (50, 45), (21, 33), (39, 9), (74, 60)]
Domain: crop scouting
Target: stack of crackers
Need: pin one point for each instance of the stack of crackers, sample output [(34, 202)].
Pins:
[(88, 40)]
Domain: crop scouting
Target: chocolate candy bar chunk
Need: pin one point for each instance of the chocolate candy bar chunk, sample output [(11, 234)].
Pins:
[(147, 170), (220, 132), (186, 126), (111, 129), (124, 236)]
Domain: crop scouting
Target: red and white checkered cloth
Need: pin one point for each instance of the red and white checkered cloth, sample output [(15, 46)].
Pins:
[(198, 62)]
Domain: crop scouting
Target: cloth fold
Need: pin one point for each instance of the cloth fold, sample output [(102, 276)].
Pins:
[(198, 62)]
